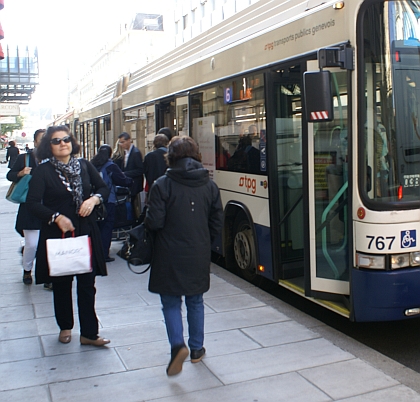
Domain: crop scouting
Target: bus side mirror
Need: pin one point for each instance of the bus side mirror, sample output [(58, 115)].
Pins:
[(318, 96)]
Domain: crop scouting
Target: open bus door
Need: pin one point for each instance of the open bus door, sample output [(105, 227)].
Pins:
[(284, 105), (327, 263), (309, 203)]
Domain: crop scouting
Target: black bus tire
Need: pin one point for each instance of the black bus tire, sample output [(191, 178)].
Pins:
[(244, 251)]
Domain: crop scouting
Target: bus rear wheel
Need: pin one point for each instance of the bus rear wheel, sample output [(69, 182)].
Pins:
[(244, 249)]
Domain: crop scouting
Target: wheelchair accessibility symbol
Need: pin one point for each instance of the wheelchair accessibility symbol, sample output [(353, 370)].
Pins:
[(408, 238)]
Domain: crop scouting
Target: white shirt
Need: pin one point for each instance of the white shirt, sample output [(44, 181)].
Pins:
[(127, 154)]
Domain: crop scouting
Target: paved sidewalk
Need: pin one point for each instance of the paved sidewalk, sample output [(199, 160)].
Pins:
[(258, 348)]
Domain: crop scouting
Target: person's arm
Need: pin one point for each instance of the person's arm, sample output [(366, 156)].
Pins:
[(18, 170), (96, 181), (34, 199), (216, 213), (98, 189), (156, 211), (118, 177), (34, 202)]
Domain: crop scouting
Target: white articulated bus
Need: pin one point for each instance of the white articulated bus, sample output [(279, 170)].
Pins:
[(307, 117)]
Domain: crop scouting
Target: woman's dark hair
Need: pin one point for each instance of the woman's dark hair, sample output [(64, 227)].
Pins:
[(167, 131), (12, 143), (161, 140), (44, 150), (38, 132), (103, 155), (182, 147)]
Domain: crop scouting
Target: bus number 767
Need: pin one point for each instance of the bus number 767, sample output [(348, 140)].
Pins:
[(379, 242)]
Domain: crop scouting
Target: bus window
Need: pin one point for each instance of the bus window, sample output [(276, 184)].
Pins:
[(390, 137), (237, 110)]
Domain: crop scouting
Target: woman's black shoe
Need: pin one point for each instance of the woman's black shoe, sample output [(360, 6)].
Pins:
[(197, 355), (27, 277), (178, 355)]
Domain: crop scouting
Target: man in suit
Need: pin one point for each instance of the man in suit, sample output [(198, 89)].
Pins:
[(132, 166)]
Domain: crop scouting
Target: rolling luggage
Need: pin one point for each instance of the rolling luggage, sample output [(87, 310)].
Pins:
[(124, 213)]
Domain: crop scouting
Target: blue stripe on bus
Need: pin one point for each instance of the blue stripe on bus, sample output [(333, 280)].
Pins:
[(384, 295)]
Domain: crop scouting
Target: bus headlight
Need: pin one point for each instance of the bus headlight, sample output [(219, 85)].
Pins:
[(400, 261), (415, 258), (370, 261)]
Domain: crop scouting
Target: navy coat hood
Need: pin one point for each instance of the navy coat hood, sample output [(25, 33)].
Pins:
[(189, 172)]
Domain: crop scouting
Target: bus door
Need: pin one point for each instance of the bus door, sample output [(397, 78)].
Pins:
[(328, 199), (284, 104), (165, 114)]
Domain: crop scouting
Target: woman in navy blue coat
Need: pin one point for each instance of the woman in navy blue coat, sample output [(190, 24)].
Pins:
[(185, 212)]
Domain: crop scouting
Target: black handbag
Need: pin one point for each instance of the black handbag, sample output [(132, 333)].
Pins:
[(137, 249), (100, 211)]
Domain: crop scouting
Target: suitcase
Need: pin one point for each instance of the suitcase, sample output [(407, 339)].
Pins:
[(124, 213)]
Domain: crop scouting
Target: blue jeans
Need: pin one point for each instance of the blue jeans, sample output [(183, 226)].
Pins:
[(171, 307)]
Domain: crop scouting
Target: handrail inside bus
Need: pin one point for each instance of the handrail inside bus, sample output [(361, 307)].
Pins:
[(287, 214), (324, 229)]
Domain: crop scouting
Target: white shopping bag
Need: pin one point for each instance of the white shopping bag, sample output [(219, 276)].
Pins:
[(69, 256)]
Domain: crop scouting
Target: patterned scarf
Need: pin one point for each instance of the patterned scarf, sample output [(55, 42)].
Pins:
[(70, 176)]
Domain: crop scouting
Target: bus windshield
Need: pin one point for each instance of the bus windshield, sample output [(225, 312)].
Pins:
[(389, 132)]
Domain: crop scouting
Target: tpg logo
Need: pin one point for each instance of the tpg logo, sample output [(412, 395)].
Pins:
[(248, 184)]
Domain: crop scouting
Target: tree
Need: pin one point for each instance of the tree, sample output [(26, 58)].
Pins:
[(9, 128)]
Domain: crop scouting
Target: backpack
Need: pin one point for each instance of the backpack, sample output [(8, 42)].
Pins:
[(112, 198)]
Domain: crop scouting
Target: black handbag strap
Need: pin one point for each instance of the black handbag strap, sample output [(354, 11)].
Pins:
[(138, 273), (149, 266)]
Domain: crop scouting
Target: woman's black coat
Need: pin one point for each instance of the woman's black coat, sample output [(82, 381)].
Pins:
[(24, 220), (47, 195), (185, 211), (11, 156), (154, 165)]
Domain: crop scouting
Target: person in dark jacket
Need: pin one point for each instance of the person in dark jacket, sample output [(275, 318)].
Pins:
[(155, 162), (62, 194), (185, 213), (112, 176), (132, 164), (27, 225), (12, 154), (167, 131)]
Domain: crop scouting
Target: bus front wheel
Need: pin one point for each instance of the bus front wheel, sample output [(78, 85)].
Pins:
[(244, 249)]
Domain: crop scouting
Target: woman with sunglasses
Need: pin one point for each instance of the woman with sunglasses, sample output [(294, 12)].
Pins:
[(63, 193)]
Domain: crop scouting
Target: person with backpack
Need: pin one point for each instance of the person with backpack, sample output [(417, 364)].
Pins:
[(112, 176)]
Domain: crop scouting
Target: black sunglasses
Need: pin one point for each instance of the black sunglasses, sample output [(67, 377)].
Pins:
[(57, 141)]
